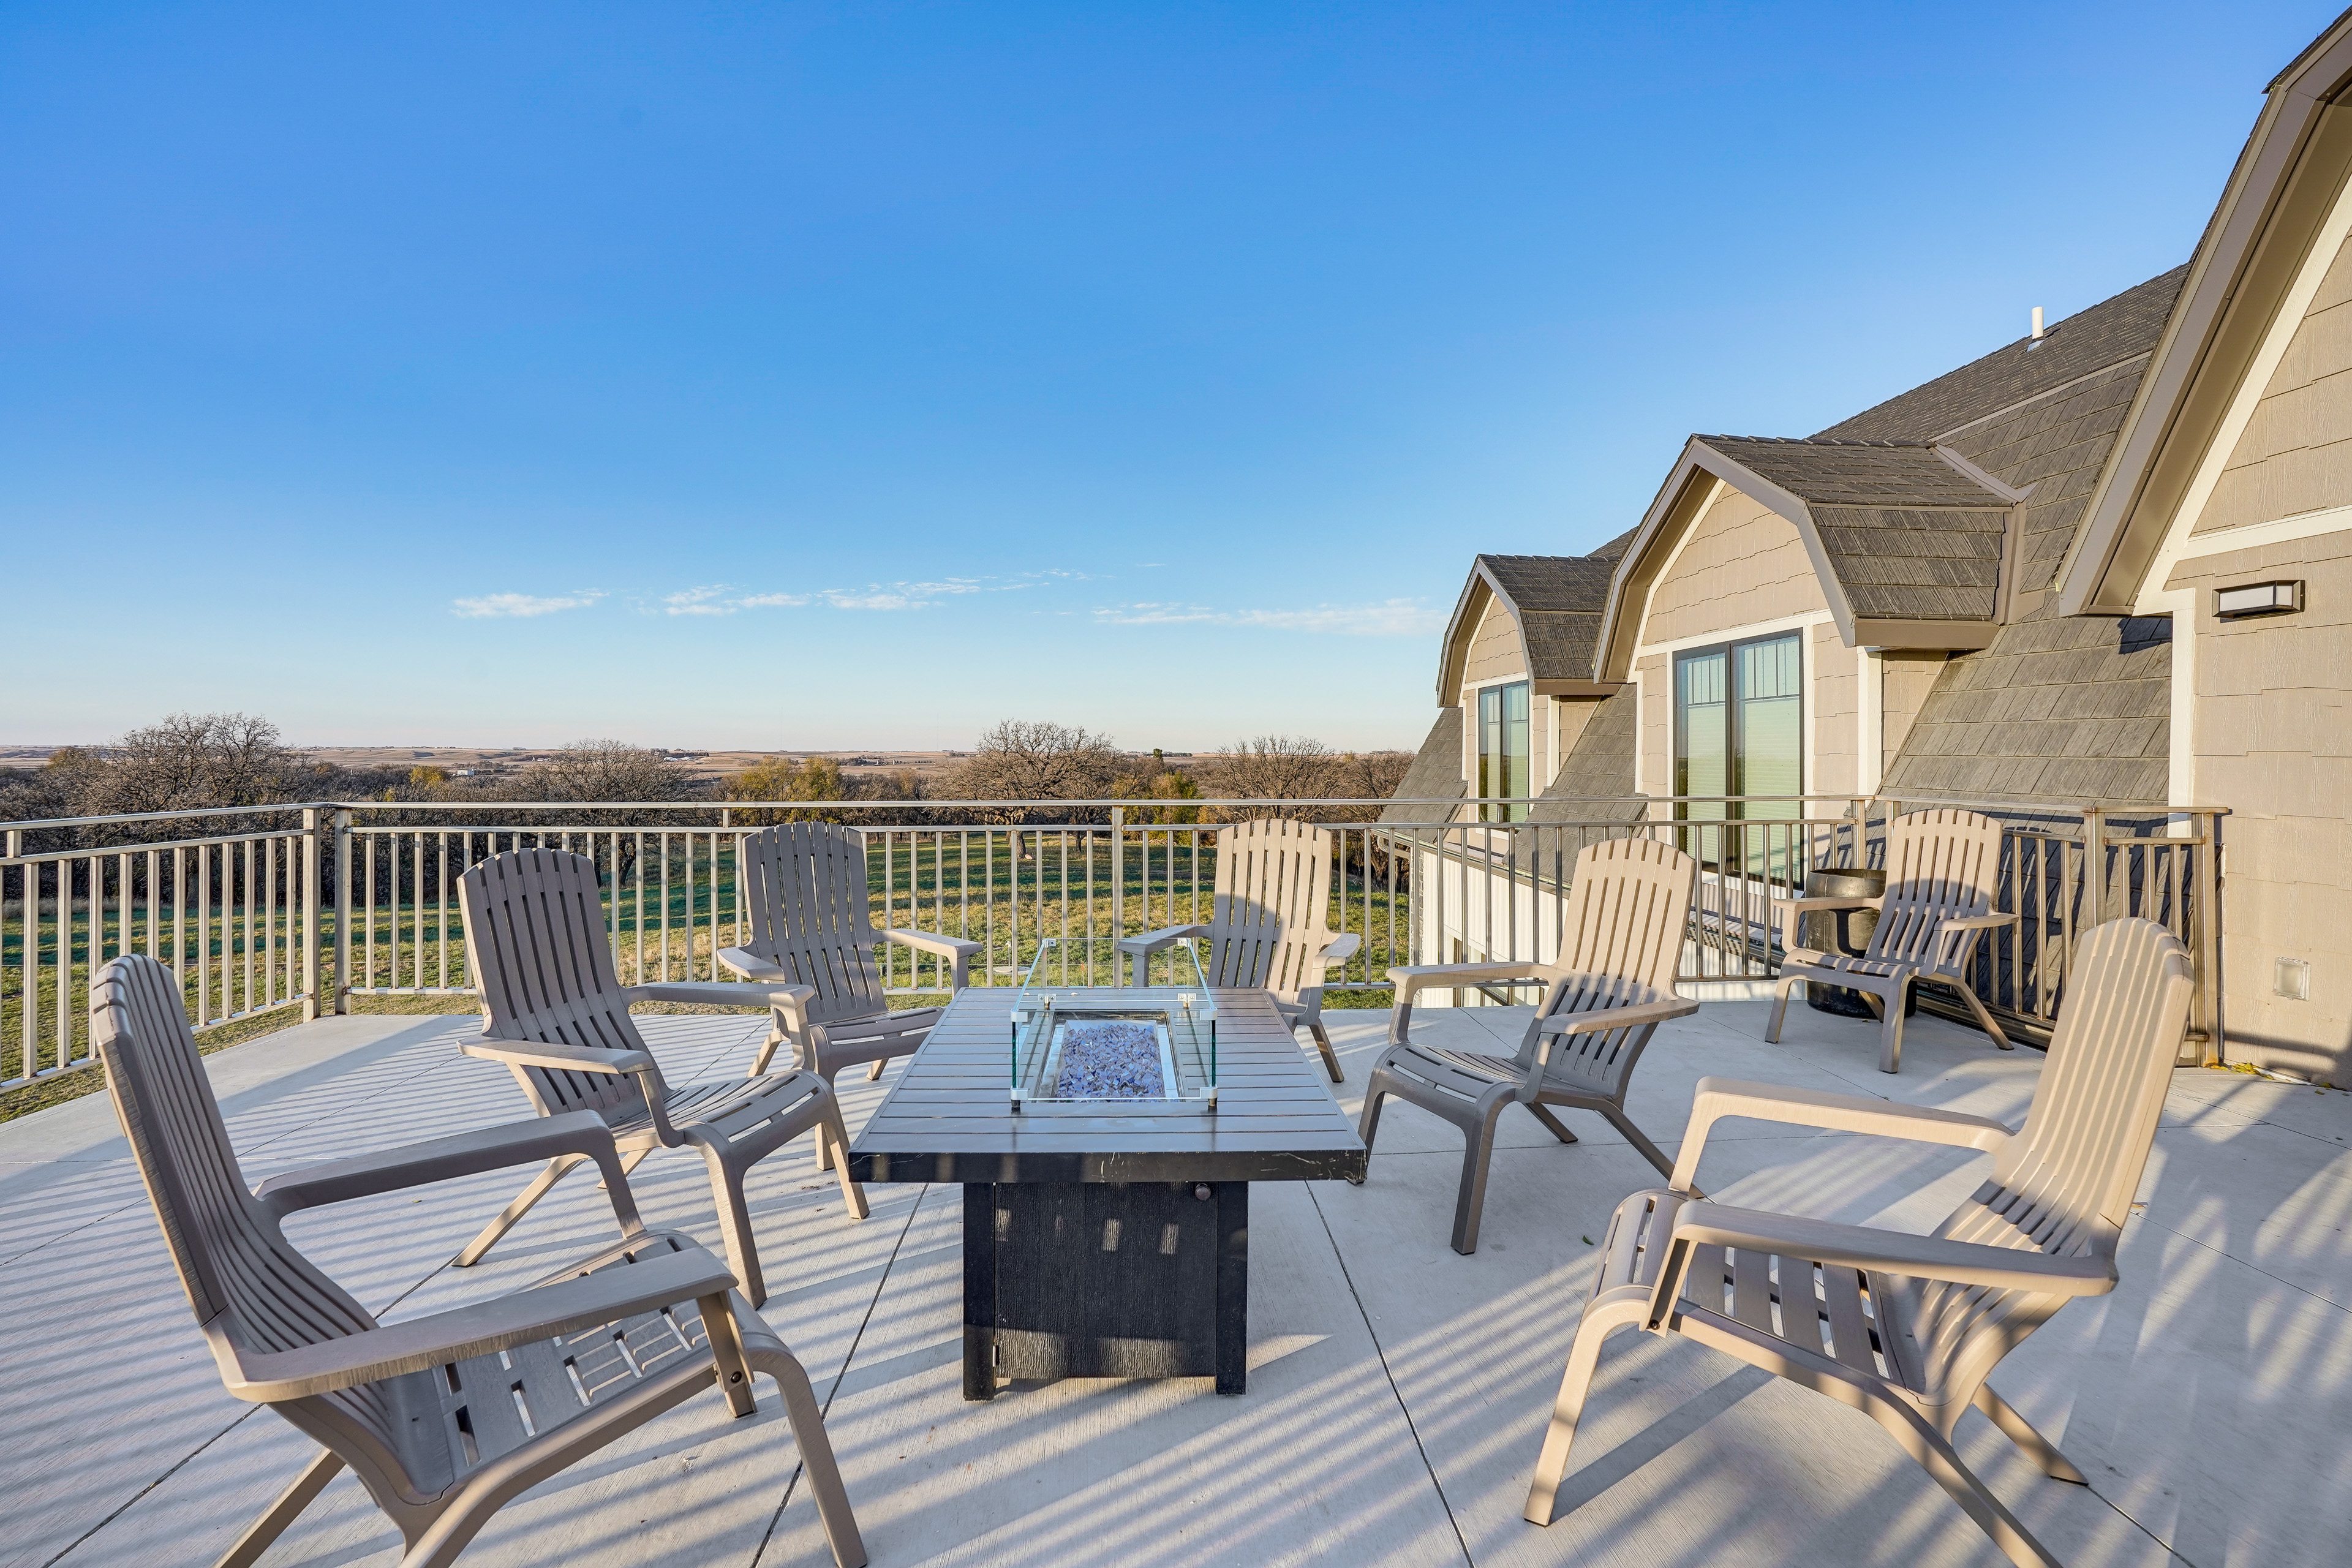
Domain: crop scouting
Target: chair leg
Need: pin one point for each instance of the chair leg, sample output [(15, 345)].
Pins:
[(1636, 1137), (557, 1169), (735, 1224), (1575, 1383), (1323, 1044), (2020, 1431), (833, 1132), (874, 1068), (1551, 1124), (262, 1531), (1890, 1027), (1368, 1126), (1780, 1009), (1984, 1017), (1477, 1153), (1937, 1457), (807, 1422)]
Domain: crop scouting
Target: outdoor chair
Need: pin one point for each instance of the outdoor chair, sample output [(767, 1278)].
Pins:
[(558, 1015), (447, 1418), (1622, 928), (1269, 923), (812, 940), (1907, 1328), (1941, 870)]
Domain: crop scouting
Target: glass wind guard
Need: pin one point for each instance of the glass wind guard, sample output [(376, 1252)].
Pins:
[(1082, 1041)]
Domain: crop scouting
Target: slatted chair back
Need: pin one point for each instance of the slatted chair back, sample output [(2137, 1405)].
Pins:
[(537, 947), (241, 1275), (2065, 1184), (810, 916), (1942, 864), (1270, 916), (1625, 919)]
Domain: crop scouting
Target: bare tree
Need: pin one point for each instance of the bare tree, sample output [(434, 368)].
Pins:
[(1276, 767), (1024, 759), (601, 770), (190, 761)]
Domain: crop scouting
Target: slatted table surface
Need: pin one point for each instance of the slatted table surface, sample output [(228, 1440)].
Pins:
[(949, 1119)]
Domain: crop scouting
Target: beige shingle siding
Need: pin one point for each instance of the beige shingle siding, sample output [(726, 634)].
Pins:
[(1495, 650), (1435, 772), (2296, 453), (1743, 564)]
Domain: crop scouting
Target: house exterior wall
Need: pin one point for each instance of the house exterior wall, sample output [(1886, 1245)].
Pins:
[(2272, 740), (2262, 719), (2295, 454), (1498, 654), (1905, 680), (1742, 563)]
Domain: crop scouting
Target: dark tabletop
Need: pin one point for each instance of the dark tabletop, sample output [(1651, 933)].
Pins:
[(950, 1119)]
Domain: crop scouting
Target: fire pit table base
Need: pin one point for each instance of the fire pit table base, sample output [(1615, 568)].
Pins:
[(1105, 1280)]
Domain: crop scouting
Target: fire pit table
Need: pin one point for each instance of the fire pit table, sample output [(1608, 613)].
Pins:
[(1105, 1137)]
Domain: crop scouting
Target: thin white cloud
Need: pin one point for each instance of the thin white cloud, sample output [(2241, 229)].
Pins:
[(524, 604), (1387, 618), (873, 601), (719, 599), (697, 601)]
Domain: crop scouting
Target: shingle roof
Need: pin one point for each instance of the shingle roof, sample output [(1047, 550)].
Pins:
[(1856, 473), (2088, 341), (1597, 768), (1910, 536), (1436, 772), (1559, 599), (2058, 708)]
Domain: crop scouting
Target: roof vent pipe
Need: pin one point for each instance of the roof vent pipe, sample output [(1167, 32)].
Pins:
[(2037, 324)]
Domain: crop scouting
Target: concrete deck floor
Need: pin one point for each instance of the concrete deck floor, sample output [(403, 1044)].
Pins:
[(1397, 1394)]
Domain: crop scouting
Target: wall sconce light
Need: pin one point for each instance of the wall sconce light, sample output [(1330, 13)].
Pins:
[(2250, 599)]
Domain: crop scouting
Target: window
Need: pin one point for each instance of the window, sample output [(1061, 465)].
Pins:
[(1504, 766), (1739, 724)]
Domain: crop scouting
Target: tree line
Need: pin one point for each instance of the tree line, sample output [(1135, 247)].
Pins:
[(190, 762)]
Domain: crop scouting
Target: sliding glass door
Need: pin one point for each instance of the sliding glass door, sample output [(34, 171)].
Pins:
[(1739, 731)]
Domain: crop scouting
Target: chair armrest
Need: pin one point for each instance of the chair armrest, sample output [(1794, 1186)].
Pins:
[(445, 1159), (1340, 948), (1629, 1016), (751, 966), (1955, 935), (954, 948), (1153, 941), (370, 1356), (1707, 1224), (1791, 907), (1718, 1098), (704, 993), (559, 1056), (1410, 980)]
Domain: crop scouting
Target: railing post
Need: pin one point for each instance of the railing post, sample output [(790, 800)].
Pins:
[(310, 912), (2095, 871), (343, 912), (1118, 872), (2208, 940)]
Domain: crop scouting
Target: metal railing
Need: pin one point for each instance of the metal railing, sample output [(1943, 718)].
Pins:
[(235, 913), (360, 900)]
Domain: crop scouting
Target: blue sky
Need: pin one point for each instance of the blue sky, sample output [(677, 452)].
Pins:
[(821, 375)]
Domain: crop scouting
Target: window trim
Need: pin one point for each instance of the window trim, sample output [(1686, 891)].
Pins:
[(1735, 759), (1478, 753)]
